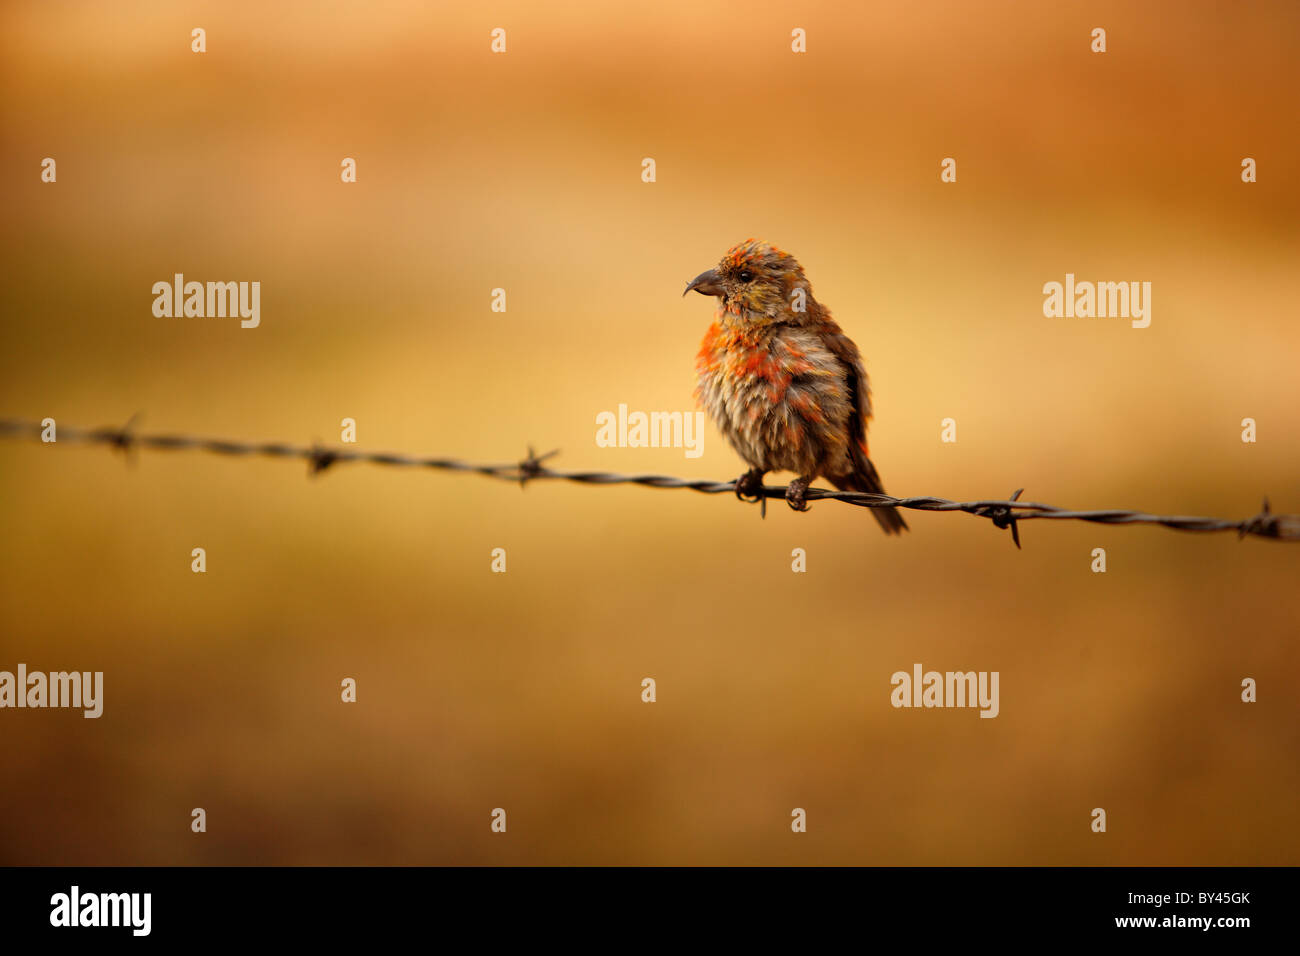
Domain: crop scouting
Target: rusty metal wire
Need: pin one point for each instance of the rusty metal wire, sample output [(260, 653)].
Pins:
[(1003, 513)]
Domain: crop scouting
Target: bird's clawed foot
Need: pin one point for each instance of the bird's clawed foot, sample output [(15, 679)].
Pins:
[(794, 494), (749, 488)]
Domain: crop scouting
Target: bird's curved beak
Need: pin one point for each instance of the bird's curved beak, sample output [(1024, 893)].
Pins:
[(706, 283)]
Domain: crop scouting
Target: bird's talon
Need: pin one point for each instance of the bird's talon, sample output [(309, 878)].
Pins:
[(794, 495), (749, 487)]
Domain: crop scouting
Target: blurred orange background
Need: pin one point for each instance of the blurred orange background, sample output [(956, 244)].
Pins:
[(522, 690)]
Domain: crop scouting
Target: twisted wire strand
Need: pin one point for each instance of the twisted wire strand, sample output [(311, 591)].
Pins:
[(1003, 513)]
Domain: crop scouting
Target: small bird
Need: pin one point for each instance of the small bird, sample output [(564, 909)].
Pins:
[(782, 381)]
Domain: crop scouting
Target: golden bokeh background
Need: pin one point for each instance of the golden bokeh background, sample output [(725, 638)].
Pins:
[(522, 691)]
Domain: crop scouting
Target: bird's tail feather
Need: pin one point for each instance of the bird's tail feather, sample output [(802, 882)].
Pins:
[(865, 478)]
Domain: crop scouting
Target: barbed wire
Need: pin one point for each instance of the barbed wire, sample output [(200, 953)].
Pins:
[(1004, 514)]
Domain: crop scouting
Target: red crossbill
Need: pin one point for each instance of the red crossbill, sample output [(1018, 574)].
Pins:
[(782, 381)]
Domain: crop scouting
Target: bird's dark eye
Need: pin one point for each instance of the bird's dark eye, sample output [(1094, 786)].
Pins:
[(746, 276)]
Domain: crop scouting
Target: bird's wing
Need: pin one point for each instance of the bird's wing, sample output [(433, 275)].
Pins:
[(842, 347)]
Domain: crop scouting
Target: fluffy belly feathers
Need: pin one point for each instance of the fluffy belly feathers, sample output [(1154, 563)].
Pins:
[(778, 396)]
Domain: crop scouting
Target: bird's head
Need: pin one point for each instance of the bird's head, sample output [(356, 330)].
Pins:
[(756, 281)]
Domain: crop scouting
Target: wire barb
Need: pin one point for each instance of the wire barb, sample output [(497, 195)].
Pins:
[(123, 438), (321, 458), (531, 467), (1003, 514)]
